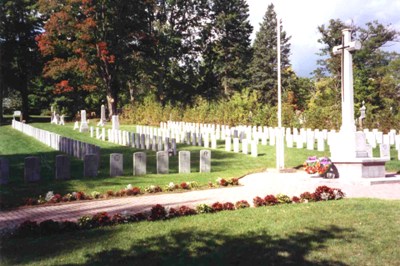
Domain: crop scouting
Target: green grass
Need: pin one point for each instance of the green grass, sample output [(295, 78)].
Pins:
[(345, 232), (15, 146)]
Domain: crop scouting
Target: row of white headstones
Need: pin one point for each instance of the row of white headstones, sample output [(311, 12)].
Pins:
[(207, 135)]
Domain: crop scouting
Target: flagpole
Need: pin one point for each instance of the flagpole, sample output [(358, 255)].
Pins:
[(279, 142)]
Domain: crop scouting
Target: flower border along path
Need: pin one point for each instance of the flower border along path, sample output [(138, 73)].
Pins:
[(159, 212)]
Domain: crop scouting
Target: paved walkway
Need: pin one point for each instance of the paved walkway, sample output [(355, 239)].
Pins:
[(260, 184)]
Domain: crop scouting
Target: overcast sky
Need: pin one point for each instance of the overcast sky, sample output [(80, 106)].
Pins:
[(300, 20)]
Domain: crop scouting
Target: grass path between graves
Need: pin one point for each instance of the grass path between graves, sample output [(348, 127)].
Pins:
[(15, 146), (345, 232)]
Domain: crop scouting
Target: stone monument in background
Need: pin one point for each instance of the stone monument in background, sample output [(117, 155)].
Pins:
[(349, 152), (102, 121), (84, 127)]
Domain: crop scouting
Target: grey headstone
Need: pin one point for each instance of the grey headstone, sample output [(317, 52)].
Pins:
[(4, 171), (154, 144), (184, 162), (194, 141), (205, 161), (187, 138), (139, 163), (166, 144), (235, 134), (162, 162), (173, 146), (63, 171), (137, 140), (90, 165), (143, 141), (32, 169), (116, 164), (200, 140), (159, 144)]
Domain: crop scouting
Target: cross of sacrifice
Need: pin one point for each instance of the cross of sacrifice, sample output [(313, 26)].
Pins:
[(345, 50)]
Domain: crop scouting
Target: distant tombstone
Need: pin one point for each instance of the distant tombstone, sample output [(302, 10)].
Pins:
[(194, 139), (299, 142), (137, 140), (91, 132), (76, 125), (320, 142), (4, 171), (235, 145), (310, 140), (228, 144), (361, 145), (62, 120), (115, 122), (213, 141), (143, 141), (289, 140), (90, 165), (116, 164), (62, 167), (272, 138), (184, 162), (162, 162), (264, 138), (102, 121), (173, 147), (32, 169), (139, 163), (154, 144), (200, 140), (384, 150), (368, 148), (160, 145), (84, 127), (245, 146), (205, 161), (254, 148), (187, 138)]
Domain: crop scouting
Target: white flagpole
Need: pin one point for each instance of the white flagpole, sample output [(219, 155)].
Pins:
[(279, 142)]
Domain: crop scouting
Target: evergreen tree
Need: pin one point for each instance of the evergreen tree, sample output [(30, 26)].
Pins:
[(20, 64), (231, 51), (263, 68)]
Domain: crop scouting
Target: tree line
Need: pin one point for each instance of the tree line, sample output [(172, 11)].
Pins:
[(181, 54)]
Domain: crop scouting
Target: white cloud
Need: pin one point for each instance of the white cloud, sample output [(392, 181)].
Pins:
[(301, 18)]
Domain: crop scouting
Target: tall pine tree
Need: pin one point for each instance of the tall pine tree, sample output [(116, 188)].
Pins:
[(263, 67), (231, 48)]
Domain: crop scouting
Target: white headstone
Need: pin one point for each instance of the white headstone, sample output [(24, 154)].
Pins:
[(115, 122)]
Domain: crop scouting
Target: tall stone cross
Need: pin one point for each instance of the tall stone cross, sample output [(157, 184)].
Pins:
[(347, 46)]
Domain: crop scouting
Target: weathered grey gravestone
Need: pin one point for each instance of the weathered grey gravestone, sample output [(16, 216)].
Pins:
[(4, 171), (32, 169), (62, 167), (205, 161), (184, 162), (139, 163), (90, 165), (162, 162), (116, 164)]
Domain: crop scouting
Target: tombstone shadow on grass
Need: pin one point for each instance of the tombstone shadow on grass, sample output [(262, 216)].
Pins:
[(199, 247)]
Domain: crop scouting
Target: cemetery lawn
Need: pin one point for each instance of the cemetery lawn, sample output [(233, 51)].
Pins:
[(345, 232), (15, 146)]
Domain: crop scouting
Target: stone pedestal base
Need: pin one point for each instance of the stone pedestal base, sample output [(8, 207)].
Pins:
[(361, 168)]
